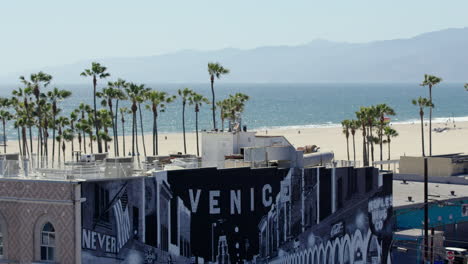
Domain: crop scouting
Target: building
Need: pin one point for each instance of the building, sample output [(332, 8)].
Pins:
[(241, 149), (448, 215), (93, 220), (337, 215), (438, 165)]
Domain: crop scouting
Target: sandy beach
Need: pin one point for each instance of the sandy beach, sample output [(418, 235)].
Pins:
[(452, 140)]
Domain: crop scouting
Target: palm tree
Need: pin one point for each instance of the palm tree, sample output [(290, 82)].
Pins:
[(389, 133), (371, 114), (237, 105), (133, 93), (46, 115), (223, 106), (353, 126), (430, 81), (185, 95), (72, 129), (96, 71), (215, 70), (107, 95), (54, 97), (119, 87), (157, 102), (106, 122), (361, 116), (422, 103), (5, 116), (198, 100), (346, 126), (141, 99), (79, 128), (382, 110), (22, 105), (34, 83), (61, 123), (123, 111), (466, 86), (68, 136)]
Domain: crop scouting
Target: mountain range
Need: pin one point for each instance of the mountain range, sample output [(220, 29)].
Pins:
[(443, 53)]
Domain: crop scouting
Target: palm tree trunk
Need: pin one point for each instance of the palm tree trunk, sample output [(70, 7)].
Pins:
[(136, 139), (347, 146), (46, 146), (422, 135), (58, 156), (116, 127), (430, 121), (123, 137), (19, 141), (196, 132), (105, 142), (381, 144), (213, 102), (183, 127), (372, 144), (4, 136), (63, 150), (98, 138), (133, 133), (388, 140), (53, 142), (79, 140), (354, 150), (84, 141), (30, 140), (25, 141), (113, 131), (73, 133), (142, 132), (154, 133), (364, 150), (91, 141)]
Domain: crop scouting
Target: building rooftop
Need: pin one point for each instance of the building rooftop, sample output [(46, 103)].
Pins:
[(402, 190)]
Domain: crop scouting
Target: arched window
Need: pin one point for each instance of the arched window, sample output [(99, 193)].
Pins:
[(48, 242)]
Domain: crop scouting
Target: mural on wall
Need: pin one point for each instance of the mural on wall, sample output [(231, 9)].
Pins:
[(180, 216), (339, 216), (128, 221), (235, 215), (226, 206)]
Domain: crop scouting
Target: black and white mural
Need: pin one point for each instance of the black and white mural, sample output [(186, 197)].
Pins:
[(240, 215), (339, 216)]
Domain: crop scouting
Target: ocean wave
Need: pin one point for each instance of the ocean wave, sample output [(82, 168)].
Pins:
[(436, 120)]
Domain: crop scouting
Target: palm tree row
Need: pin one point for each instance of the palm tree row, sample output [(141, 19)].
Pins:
[(373, 123), (33, 106)]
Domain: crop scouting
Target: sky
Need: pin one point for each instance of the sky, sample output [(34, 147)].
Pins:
[(36, 34)]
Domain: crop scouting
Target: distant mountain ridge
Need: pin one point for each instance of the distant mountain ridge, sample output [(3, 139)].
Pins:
[(444, 53)]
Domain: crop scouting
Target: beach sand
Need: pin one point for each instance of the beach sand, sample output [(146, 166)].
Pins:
[(453, 140)]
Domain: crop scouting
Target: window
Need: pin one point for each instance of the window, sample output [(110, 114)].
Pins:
[(101, 203), (48, 242)]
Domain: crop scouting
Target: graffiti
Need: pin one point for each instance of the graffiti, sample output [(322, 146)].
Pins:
[(235, 199), (150, 256), (94, 240), (337, 230), (357, 248), (378, 208)]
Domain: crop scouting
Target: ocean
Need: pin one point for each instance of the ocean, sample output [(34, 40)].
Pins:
[(278, 105)]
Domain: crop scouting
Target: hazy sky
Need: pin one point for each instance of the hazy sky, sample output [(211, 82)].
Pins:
[(52, 32)]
